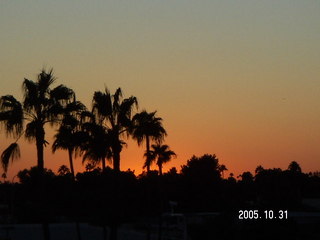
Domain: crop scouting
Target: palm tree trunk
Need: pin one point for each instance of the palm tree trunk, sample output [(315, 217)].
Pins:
[(40, 156), (116, 159), (148, 153), (160, 169), (70, 151), (116, 149), (39, 144)]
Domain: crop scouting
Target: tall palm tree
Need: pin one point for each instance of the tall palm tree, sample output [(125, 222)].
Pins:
[(113, 112), (41, 105), (162, 154), (147, 127), (69, 135)]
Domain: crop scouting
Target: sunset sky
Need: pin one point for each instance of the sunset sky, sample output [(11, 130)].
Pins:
[(239, 79)]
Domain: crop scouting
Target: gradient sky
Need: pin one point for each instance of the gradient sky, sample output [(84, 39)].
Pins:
[(239, 79)]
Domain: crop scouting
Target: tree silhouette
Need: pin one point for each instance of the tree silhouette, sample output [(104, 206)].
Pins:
[(259, 169), (41, 105), (63, 170), (247, 177), (294, 167), (231, 178), (97, 146), (201, 182), (204, 167), (222, 168), (114, 114), (69, 135), (162, 154), (146, 127)]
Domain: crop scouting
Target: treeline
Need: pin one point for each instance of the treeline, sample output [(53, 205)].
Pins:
[(115, 197), (97, 134)]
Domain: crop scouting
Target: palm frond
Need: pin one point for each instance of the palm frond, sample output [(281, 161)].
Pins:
[(75, 107), (31, 94), (53, 112), (45, 80), (31, 130), (12, 152), (70, 121), (62, 139), (147, 124), (117, 97), (62, 93), (125, 110), (167, 156), (57, 103), (11, 115), (101, 105)]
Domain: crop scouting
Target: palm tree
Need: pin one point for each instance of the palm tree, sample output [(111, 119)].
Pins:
[(69, 135), (97, 146), (162, 154), (41, 105), (113, 113), (222, 168), (146, 127)]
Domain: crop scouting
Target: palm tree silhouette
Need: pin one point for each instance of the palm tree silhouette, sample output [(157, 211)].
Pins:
[(162, 154), (97, 146), (41, 105), (146, 126), (222, 168), (113, 112), (69, 135)]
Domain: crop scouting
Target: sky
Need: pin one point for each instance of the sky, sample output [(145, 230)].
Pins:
[(239, 79)]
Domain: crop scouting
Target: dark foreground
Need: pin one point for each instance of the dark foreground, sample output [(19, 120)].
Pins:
[(299, 225), (196, 203)]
